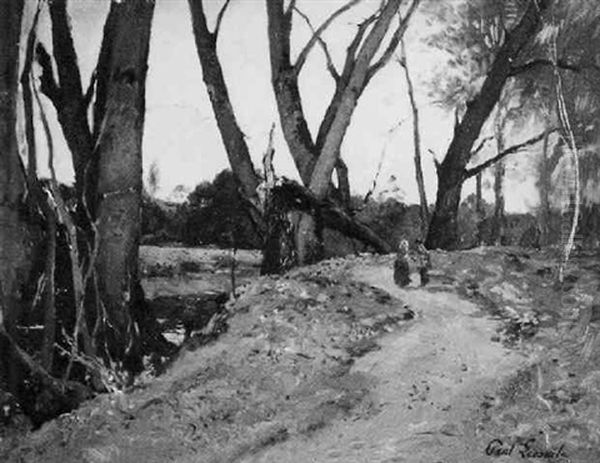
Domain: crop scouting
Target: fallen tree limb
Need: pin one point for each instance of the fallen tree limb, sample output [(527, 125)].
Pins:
[(301, 199)]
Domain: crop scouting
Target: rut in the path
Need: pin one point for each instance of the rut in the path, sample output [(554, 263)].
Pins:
[(429, 381)]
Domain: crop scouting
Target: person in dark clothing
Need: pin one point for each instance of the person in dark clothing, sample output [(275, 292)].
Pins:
[(424, 262), (401, 267)]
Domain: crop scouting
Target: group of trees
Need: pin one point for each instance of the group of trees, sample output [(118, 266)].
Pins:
[(93, 307), (94, 313)]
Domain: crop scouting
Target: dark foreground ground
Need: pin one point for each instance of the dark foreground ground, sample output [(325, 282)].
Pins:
[(332, 363)]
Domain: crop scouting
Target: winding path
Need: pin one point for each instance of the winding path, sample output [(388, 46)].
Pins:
[(429, 381)]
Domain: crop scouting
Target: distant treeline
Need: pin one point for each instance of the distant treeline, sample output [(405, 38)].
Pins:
[(215, 213)]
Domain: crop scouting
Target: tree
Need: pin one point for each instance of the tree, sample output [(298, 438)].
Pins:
[(120, 108), (107, 159), (317, 158), (416, 141), (451, 171), (212, 74), (14, 246), (217, 214), (69, 99), (235, 144)]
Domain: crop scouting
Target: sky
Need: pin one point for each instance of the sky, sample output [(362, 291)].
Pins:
[(181, 134)]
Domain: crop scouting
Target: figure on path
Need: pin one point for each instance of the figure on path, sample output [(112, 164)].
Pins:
[(424, 262), (401, 267)]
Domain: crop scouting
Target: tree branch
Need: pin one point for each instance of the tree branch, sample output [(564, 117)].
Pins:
[(301, 60), (481, 145), (290, 8), (330, 66), (89, 93), (63, 50), (513, 149), (561, 63), (356, 41), (220, 19), (48, 83), (395, 40)]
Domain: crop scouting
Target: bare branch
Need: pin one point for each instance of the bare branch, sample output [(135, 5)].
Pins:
[(65, 217), (28, 101), (330, 66), (356, 41), (513, 149), (318, 32), (436, 163), (561, 64), (63, 51), (89, 93), (220, 18), (290, 8), (395, 40), (481, 145), (48, 83)]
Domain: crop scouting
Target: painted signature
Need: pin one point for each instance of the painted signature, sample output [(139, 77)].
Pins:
[(526, 449)]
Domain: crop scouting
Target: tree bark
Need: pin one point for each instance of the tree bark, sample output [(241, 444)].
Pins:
[(120, 111), (479, 210), (14, 243), (498, 222), (292, 197), (233, 137), (417, 146), (316, 160), (544, 183), (284, 79), (68, 98), (212, 74), (443, 228), (321, 175)]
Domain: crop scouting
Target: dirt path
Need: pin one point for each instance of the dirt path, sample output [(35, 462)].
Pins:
[(429, 381)]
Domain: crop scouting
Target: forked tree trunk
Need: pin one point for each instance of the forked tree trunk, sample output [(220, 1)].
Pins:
[(288, 98), (309, 242), (14, 245), (120, 112), (71, 102), (316, 160), (443, 228)]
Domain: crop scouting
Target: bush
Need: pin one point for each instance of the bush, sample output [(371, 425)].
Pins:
[(216, 213)]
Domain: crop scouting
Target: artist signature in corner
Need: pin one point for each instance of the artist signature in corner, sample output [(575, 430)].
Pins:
[(525, 449)]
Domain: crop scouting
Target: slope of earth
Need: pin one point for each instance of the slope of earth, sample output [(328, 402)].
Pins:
[(334, 363)]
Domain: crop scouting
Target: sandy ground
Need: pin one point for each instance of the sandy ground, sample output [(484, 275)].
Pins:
[(334, 363), (429, 381)]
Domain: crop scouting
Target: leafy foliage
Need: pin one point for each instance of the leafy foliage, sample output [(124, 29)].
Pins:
[(216, 213)]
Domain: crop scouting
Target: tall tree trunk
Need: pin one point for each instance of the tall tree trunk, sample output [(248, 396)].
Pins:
[(120, 112), (321, 175), (233, 138), (544, 183), (315, 160), (424, 210), (284, 79), (212, 73), (72, 104), (499, 173), (443, 228), (499, 205), (14, 245), (308, 241), (479, 210)]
